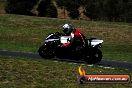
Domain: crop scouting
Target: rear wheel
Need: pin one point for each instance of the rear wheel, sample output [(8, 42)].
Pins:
[(46, 52), (98, 55), (94, 56)]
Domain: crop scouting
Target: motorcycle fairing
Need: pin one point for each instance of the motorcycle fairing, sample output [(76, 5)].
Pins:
[(96, 42), (65, 39)]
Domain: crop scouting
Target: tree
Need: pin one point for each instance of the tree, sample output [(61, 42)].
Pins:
[(22, 7), (91, 9), (71, 6), (47, 9)]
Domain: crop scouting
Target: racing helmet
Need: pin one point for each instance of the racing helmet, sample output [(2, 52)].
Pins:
[(67, 28)]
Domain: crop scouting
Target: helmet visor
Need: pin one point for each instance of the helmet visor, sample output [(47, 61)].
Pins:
[(65, 30)]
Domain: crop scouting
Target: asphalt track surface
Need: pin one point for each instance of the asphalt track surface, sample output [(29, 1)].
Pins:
[(105, 63)]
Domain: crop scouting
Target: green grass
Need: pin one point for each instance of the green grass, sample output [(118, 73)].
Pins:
[(121, 52), (25, 33), (39, 73)]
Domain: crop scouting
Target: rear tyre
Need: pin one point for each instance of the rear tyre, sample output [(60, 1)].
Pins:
[(94, 56), (46, 52), (98, 56)]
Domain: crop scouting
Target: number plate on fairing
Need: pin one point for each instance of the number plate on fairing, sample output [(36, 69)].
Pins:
[(96, 42), (65, 39)]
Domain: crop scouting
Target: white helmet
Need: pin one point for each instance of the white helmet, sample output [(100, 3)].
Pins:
[(67, 28)]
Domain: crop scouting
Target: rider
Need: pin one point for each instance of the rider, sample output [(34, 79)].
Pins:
[(77, 39)]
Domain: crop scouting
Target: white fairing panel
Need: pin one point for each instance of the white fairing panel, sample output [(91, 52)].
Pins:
[(49, 36), (49, 40), (64, 39), (96, 42)]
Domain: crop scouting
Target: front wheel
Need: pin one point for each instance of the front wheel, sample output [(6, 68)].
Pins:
[(94, 56), (46, 52)]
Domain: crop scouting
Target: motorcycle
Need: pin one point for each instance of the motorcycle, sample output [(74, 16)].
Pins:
[(90, 53)]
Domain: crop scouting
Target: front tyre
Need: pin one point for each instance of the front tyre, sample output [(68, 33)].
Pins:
[(46, 52)]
